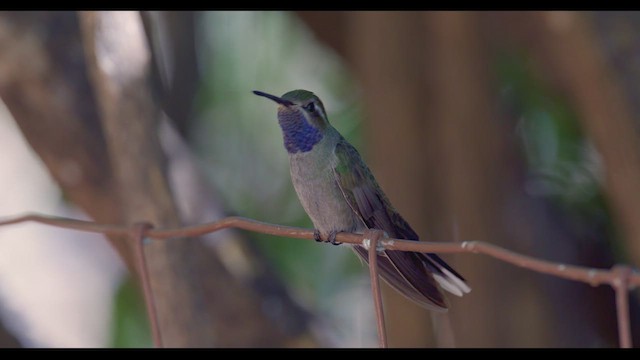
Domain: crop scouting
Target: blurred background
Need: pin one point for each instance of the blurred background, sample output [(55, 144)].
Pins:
[(519, 129)]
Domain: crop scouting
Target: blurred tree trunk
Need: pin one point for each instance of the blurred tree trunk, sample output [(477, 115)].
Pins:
[(469, 144), (127, 112), (7, 340), (392, 91), (99, 140), (172, 41)]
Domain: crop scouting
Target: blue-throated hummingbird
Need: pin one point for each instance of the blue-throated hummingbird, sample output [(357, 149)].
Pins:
[(340, 194)]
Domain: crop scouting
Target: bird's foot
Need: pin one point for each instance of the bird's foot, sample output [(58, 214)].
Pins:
[(332, 238)]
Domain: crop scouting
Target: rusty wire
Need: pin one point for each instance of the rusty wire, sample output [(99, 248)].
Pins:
[(621, 278)]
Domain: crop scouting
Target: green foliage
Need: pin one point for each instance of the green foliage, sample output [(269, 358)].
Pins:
[(130, 327), (563, 164)]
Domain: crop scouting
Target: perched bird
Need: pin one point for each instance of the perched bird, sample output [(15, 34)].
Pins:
[(340, 194)]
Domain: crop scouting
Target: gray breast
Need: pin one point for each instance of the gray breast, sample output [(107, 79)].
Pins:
[(314, 181)]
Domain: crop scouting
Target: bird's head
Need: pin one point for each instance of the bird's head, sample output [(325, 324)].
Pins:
[(302, 118)]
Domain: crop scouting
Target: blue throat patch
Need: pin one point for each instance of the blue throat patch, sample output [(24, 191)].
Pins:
[(299, 135)]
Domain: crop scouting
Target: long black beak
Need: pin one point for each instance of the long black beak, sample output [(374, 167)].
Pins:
[(279, 100)]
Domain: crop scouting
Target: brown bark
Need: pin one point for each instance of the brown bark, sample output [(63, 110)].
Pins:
[(172, 40), (391, 94), (469, 146), (129, 117), (330, 27), (43, 84)]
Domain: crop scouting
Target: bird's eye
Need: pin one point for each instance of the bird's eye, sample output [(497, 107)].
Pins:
[(310, 107)]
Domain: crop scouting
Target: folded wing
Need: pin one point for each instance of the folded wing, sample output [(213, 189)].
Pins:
[(415, 275)]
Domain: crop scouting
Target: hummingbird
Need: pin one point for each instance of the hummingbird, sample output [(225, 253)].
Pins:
[(339, 194)]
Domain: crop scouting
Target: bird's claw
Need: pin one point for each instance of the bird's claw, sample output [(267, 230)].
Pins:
[(332, 238)]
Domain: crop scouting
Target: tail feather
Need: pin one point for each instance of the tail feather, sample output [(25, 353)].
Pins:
[(423, 292), (418, 275), (444, 274)]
